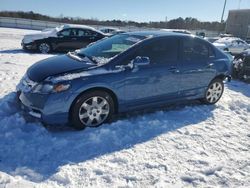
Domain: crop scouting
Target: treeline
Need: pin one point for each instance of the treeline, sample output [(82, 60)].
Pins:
[(179, 23)]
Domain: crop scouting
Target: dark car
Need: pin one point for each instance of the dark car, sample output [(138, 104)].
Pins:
[(64, 38), (241, 66), (126, 72)]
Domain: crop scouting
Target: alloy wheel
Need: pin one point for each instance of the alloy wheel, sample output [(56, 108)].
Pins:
[(44, 48), (94, 111), (214, 92)]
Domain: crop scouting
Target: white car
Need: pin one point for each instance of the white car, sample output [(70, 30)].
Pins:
[(231, 44)]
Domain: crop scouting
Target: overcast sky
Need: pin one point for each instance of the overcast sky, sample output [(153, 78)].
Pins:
[(136, 10)]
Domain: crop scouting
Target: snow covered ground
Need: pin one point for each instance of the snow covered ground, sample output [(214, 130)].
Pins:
[(185, 146)]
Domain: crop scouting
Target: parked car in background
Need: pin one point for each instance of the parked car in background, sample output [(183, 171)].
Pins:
[(126, 72), (211, 39), (63, 38), (111, 31), (232, 44), (118, 32), (201, 34), (241, 66), (226, 35)]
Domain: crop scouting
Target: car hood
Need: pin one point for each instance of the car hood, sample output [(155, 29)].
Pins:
[(56, 66), (41, 35)]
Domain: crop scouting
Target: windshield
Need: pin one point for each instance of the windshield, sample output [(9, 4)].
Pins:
[(103, 51)]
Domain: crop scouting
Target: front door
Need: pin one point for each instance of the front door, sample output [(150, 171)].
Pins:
[(66, 40), (158, 81)]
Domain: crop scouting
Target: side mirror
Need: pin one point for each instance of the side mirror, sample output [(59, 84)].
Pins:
[(134, 64), (140, 61)]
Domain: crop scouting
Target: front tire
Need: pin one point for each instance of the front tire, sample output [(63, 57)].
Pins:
[(214, 92), (92, 109), (44, 48)]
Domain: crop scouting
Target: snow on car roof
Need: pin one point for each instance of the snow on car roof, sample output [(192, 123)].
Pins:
[(78, 27)]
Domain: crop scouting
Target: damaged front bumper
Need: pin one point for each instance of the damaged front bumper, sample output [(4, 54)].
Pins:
[(48, 109)]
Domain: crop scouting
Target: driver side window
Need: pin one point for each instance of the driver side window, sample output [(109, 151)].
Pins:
[(161, 51), (68, 33), (65, 33)]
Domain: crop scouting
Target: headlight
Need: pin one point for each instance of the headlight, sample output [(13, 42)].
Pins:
[(27, 40), (50, 88)]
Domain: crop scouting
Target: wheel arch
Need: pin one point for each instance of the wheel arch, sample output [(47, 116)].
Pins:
[(109, 91), (220, 76)]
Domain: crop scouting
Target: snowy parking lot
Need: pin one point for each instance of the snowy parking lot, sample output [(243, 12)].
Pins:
[(183, 146)]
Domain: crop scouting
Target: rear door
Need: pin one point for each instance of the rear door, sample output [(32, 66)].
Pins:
[(196, 67), (86, 36), (159, 81)]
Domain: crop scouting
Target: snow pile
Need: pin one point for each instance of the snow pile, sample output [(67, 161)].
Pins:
[(186, 145), (102, 60)]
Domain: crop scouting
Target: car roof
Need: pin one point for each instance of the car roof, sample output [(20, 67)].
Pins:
[(177, 31), (66, 26), (159, 33)]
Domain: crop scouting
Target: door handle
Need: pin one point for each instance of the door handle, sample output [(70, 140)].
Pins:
[(174, 70)]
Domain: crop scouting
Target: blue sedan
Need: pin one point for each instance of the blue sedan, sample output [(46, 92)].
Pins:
[(126, 72)]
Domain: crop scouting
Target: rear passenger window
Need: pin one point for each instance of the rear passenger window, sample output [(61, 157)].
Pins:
[(195, 50), (86, 33), (160, 51), (83, 33), (65, 32)]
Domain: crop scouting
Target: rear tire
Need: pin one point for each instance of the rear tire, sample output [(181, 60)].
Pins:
[(44, 48), (92, 109), (214, 92)]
